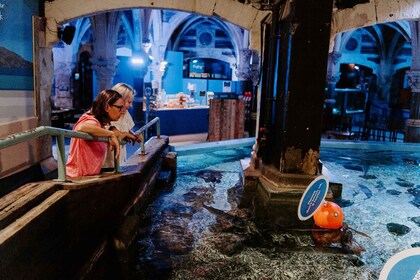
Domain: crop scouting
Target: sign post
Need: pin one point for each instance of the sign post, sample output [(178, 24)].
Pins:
[(313, 197)]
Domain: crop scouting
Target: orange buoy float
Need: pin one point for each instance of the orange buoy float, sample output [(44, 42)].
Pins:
[(329, 215)]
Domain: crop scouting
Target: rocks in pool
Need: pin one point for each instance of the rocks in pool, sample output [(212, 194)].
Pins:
[(393, 192), (353, 167), (368, 177), (343, 202), (416, 202), (380, 186), (199, 195), (416, 220), (415, 245), (229, 244), (210, 176), (404, 183), (366, 190), (236, 196), (398, 229), (416, 193), (410, 161)]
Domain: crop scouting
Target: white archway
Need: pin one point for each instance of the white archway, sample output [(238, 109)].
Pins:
[(59, 12)]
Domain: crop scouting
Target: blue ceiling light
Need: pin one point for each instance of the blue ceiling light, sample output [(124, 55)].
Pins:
[(137, 60)]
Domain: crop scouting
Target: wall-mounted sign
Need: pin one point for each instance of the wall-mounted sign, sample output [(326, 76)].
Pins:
[(312, 198), (404, 265), (196, 66)]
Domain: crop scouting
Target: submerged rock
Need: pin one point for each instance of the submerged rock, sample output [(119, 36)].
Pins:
[(199, 195), (416, 220), (353, 167), (210, 176), (236, 195), (229, 244), (393, 192), (398, 229), (344, 203), (410, 161), (366, 190), (173, 238), (415, 245), (404, 183), (380, 186), (368, 177), (416, 193), (416, 202)]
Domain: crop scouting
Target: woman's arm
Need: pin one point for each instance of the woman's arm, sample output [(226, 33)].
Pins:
[(94, 130), (97, 131), (129, 137)]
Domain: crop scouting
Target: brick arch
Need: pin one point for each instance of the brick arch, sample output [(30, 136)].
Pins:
[(61, 11)]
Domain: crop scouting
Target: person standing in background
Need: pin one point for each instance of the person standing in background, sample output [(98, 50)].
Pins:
[(86, 157), (124, 124)]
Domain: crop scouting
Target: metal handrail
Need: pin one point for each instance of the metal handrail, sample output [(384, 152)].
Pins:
[(142, 129), (60, 134)]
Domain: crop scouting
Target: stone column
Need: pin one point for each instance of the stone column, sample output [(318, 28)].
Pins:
[(300, 93), (62, 78), (412, 125), (105, 71), (105, 29), (385, 80), (333, 70), (243, 72)]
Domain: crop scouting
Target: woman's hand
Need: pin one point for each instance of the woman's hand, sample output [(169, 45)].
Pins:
[(137, 136), (114, 143), (127, 136)]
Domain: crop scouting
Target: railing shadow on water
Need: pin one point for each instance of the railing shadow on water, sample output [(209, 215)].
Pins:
[(60, 134)]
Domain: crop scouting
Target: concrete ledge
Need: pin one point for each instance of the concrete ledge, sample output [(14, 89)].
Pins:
[(208, 147), (370, 145)]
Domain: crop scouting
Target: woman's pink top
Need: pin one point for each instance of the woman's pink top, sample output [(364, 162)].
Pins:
[(85, 157)]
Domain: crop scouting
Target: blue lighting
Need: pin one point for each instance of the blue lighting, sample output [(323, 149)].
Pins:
[(137, 60)]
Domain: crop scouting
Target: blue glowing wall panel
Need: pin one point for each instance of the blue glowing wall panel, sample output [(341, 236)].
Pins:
[(217, 85), (172, 79)]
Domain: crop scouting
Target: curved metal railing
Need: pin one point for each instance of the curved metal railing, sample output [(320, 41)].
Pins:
[(60, 134)]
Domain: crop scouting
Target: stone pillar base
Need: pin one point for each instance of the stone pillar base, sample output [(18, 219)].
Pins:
[(412, 130), (275, 196)]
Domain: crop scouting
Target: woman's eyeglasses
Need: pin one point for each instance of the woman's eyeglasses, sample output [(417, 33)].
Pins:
[(119, 107)]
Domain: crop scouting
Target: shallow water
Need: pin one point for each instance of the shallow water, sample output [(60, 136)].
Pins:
[(386, 191), (195, 230)]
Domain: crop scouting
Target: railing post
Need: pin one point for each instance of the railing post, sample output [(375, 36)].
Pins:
[(116, 163), (158, 128), (61, 158), (143, 149)]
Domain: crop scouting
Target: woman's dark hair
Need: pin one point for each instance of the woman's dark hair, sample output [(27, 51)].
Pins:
[(105, 97)]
